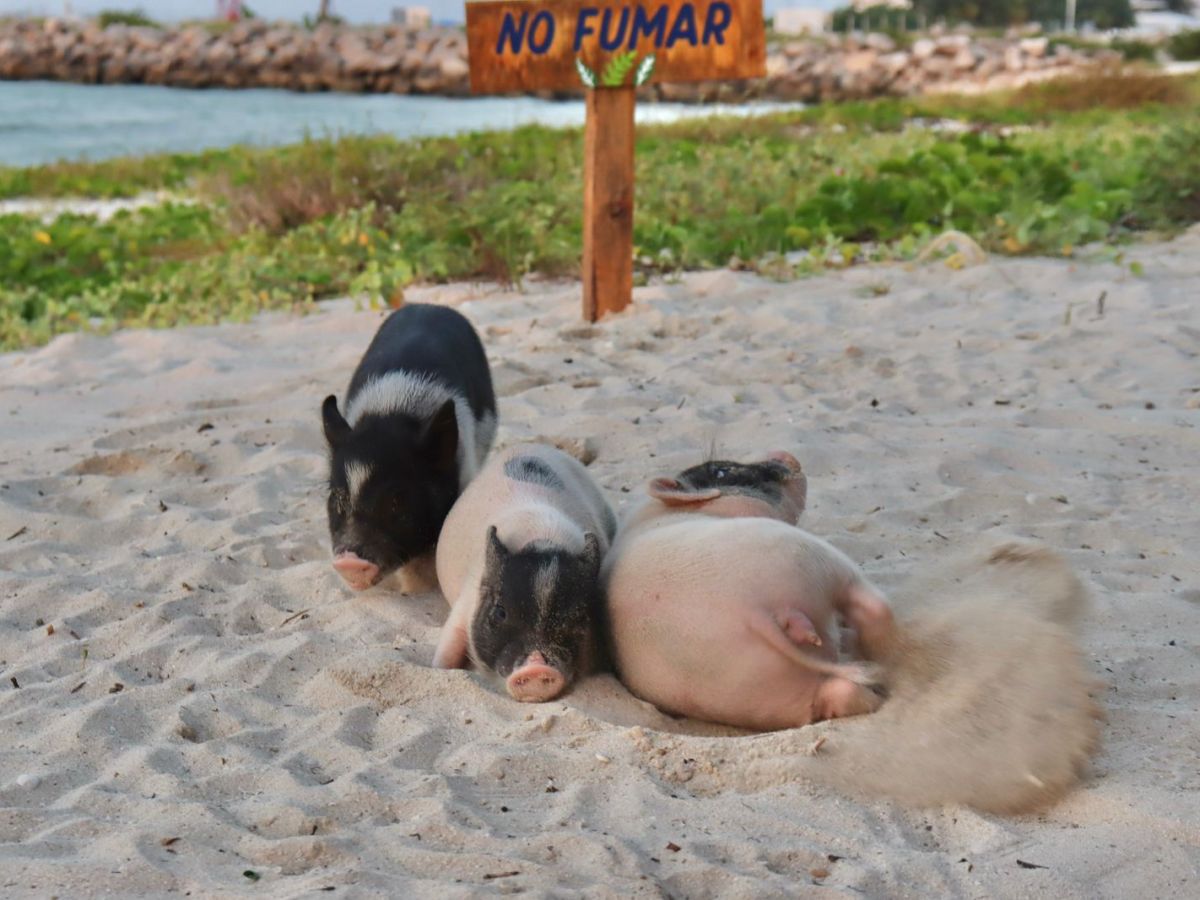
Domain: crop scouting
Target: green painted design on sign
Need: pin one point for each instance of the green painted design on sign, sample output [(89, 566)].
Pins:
[(617, 70), (618, 67)]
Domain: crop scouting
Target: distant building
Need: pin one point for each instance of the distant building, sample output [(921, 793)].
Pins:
[(801, 21), (411, 16)]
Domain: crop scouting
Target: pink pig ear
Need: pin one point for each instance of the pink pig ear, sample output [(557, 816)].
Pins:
[(787, 459), (672, 493)]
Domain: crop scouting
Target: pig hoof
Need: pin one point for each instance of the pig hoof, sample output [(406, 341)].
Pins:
[(535, 683), (838, 698)]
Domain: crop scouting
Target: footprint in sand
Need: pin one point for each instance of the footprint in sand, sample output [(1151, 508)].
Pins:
[(127, 462)]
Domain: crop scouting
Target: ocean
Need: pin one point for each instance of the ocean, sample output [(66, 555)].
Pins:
[(43, 122)]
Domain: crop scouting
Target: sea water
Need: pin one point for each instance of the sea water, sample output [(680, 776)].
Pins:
[(46, 121)]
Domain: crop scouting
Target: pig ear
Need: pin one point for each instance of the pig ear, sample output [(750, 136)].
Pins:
[(672, 493), (440, 438), (337, 429), (591, 551), (497, 553), (782, 456), (797, 489)]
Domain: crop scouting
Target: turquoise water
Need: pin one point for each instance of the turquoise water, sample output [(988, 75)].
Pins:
[(46, 121)]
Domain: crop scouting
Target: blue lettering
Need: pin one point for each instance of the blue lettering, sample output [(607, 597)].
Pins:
[(714, 28), (547, 18), (685, 27), (582, 28), (648, 25), (607, 40), (513, 32)]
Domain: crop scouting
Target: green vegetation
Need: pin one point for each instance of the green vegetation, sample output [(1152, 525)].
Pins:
[(1039, 171), (1185, 45), (1103, 14), (1000, 14), (108, 17)]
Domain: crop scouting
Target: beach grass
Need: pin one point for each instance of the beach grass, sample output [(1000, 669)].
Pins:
[(1042, 170)]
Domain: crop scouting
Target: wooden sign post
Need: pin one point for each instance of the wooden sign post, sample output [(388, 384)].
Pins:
[(610, 47)]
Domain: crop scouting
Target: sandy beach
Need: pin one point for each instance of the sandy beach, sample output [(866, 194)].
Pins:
[(191, 702)]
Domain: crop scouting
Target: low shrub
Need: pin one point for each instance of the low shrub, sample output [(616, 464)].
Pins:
[(135, 17), (1185, 45), (1134, 50), (1119, 88)]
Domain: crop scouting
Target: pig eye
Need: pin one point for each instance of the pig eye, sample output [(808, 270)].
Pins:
[(721, 473), (499, 613)]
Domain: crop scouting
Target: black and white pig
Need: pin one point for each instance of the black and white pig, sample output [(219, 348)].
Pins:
[(420, 416), (519, 561)]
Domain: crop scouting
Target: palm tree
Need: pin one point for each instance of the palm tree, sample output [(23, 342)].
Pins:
[(323, 12)]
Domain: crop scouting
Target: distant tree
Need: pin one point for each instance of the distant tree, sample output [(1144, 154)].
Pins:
[(323, 12), (878, 17), (1002, 13)]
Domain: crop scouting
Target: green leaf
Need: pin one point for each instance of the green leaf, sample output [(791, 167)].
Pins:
[(618, 67), (644, 70), (586, 75)]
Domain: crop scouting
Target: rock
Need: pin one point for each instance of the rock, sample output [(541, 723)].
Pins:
[(964, 59), (454, 67), (1035, 47), (860, 62), (777, 65), (923, 49), (895, 63), (881, 43)]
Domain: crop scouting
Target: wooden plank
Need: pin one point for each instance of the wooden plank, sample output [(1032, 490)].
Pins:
[(608, 202), (528, 45)]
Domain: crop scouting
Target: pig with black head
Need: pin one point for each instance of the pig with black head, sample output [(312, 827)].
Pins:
[(420, 415), (519, 561), (720, 608)]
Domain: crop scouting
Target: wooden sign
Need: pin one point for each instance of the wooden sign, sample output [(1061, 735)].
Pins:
[(528, 45), (610, 46)]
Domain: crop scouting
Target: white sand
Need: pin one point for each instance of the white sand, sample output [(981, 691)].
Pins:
[(50, 209), (270, 721)]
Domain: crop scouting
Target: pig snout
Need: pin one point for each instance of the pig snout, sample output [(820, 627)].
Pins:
[(356, 571), (535, 681)]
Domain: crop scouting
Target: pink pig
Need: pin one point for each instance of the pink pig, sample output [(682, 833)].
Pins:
[(721, 609)]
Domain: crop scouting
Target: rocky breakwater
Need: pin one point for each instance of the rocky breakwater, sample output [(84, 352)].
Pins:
[(873, 65), (383, 59), (390, 59)]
